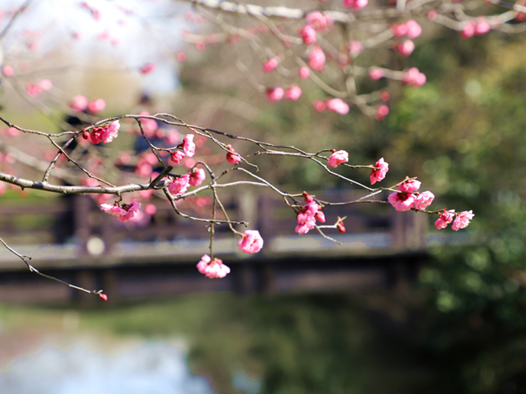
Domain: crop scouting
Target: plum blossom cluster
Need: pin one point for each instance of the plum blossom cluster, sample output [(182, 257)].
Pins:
[(106, 133), (123, 212), (212, 268), (308, 215), (408, 197), (462, 219)]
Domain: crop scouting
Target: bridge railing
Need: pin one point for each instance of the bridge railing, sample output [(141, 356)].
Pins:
[(76, 230)]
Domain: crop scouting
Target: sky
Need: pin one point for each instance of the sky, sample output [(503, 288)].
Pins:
[(136, 31)]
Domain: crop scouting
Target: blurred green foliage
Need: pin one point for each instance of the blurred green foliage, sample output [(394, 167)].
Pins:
[(464, 135)]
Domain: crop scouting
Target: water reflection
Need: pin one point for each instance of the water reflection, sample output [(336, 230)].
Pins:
[(152, 368)]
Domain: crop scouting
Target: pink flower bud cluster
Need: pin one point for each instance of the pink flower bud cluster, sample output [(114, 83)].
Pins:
[(308, 215), (407, 199), (293, 93), (81, 103), (475, 28), (414, 77), (405, 48), (410, 29), (123, 212), (354, 48), (188, 147), (181, 184), (336, 105), (212, 268)]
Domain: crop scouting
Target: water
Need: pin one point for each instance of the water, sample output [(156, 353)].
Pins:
[(151, 368)]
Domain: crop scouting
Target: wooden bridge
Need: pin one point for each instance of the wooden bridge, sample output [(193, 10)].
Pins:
[(70, 238)]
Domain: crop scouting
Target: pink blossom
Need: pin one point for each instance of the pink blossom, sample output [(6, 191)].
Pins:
[(432, 15), (104, 36), (409, 186), (123, 212), (338, 106), (338, 157), (103, 297), (8, 71), (232, 156), (275, 94), (188, 145), (197, 176), (111, 132), (340, 226), (270, 65), (251, 242), (376, 73), (320, 216), (355, 4), (354, 48), (96, 106), (423, 200), (462, 220), (306, 217), (79, 103), (468, 30), (181, 57), (149, 126), (482, 27), (179, 185), (148, 68), (143, 169), (405, 48), (414, 77), (414, 30), (212, 268), (151, 158), (150, 209), (319, 105), (317, 20), (45, 84), (33, 90), (378, 175), (308, 198), (385, 96), (444, 218), (293, 93), (106, 133), (317, 58), (308, 34), (381, 112), (303, 227), (399, 30), (177, 156), (304, 72), (401, 201)]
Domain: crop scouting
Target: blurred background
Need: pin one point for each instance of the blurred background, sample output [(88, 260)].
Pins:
[(399, 308)]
